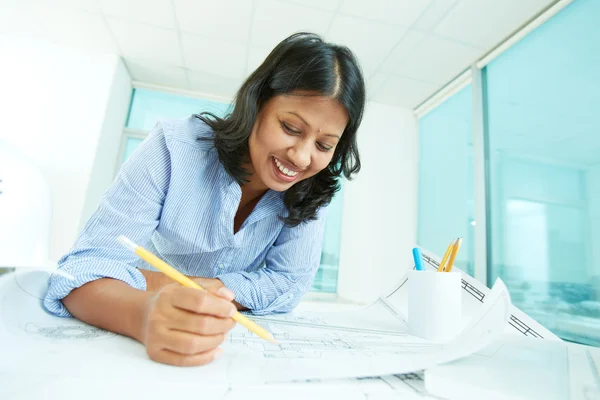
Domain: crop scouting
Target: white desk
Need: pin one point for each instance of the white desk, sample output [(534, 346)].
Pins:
[(34, 343)]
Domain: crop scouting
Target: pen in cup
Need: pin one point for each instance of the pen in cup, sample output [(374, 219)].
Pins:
[(418, 257)]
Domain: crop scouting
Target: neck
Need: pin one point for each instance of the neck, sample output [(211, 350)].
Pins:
[(251, 192)]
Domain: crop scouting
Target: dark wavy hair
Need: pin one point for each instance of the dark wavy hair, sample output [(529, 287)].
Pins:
[(303, 63)]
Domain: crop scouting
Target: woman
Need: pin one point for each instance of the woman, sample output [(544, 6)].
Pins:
[(238, 203)]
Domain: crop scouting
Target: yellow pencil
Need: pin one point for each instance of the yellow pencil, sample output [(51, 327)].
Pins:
[(185, 281), (446, 255), (453, 255)]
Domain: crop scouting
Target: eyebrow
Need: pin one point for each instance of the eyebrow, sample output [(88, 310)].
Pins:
[(307, 124)]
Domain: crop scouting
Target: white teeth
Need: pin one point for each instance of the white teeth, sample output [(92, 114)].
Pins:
[(284, 170)]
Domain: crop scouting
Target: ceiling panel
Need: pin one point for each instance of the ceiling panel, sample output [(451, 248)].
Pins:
[(145, 42), (434, 14), (58, 25), (329, 5), (214, 56), (256, 56), (403, 92), (403, 51), (374, 84), (437, 60), (274, 21), (82, 5), (485, 23), (399, 12), (225, 20), (164, 75), (17, 19), (214, 84), (159, 14), (358, 35)]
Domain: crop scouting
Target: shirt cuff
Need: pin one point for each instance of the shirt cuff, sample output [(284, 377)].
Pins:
[(85, 271), (268, 301)]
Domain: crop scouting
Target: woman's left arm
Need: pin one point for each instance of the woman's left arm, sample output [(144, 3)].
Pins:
[(290, 267)]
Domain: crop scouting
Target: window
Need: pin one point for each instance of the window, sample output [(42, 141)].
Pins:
[(542, 99), (147, 107), (445, 205)]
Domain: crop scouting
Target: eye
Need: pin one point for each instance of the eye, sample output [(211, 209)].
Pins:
[(289, 129), (324, 148)]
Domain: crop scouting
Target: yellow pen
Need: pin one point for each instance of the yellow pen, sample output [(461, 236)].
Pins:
[(185, 281), (446, 255), (453, 255)]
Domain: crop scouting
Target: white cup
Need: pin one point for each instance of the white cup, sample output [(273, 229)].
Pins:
[(434, 304)]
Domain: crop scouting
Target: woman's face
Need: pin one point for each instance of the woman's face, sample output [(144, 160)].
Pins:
[(293, 138)]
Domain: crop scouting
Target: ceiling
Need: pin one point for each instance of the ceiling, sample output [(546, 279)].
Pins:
[(408, 48)]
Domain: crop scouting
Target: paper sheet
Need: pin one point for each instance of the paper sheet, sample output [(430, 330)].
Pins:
[(369, 342), (516, 367)]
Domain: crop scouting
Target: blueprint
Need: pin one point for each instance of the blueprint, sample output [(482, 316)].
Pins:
[(369, 342)]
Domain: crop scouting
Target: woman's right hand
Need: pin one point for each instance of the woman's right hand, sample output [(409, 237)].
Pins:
[(185, 326)]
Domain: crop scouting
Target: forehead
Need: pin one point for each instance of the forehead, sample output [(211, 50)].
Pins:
[(319, 111)]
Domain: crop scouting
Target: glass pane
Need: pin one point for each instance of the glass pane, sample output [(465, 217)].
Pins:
[(544, 159), (446, 192), (131, 143), (148, 106), (327, 275)]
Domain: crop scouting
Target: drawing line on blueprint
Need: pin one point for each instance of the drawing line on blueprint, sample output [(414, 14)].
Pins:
[(329, 327), (315, 347)]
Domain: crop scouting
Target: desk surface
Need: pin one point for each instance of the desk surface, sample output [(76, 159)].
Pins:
[(56, 358)]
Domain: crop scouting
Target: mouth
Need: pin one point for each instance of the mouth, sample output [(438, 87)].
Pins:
[(282, 172)]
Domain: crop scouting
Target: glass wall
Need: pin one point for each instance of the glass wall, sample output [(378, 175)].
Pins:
[(446, 208), (147, 107), (542, 101), (540, 104)]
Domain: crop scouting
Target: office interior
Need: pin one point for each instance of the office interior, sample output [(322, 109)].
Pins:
[(479, 124)]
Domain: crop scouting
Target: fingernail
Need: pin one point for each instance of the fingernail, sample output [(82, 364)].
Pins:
[(218, 352), (224, 292), (233, 311)]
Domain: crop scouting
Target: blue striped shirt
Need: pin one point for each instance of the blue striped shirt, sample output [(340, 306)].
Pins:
[(174, 197)]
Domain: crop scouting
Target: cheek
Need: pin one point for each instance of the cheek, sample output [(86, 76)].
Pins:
[(321, 161)]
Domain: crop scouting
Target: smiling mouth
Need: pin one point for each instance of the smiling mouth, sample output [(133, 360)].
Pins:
[(283, 172)]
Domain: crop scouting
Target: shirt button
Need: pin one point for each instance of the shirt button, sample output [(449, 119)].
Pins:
[(221, 266)]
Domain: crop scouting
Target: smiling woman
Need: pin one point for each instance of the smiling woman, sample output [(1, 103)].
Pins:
[(237, 202)]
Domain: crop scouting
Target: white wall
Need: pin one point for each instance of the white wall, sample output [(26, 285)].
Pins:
[(380, 205), (109, 141), (53, 105)]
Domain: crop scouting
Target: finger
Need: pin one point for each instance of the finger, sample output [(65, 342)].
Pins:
[(225, 293), (202, 302), (216, 289), (189, 343), (200, 324), (186, 360)]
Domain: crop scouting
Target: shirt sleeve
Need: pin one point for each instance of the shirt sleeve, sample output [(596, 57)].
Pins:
[(290, 267), (131, 207)]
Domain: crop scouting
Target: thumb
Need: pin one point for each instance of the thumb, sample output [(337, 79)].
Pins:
[(225, 293)]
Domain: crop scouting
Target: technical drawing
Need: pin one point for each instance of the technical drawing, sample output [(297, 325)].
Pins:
[(67, 332)]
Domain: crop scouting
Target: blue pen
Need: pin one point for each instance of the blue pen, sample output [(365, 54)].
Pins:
[(418, 259)]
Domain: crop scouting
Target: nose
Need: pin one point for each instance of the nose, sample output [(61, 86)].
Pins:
[(300, 154)]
